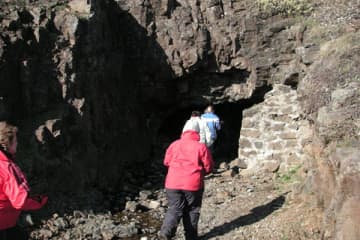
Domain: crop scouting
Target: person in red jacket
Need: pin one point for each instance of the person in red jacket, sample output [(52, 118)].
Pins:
[(14, 188), (188, 161)]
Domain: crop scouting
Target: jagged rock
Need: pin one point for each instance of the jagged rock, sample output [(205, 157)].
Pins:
[(271, 166), (239, 162), (231, 173), (144, 195), (155, 46), (154, 204), (80, 6), (224, 165), (131, 206)]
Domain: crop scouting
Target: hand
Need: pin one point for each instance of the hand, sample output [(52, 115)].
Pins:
[(36, 198), (44, 200)]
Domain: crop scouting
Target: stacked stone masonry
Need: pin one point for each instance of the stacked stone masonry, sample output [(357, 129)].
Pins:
[(274, 133)]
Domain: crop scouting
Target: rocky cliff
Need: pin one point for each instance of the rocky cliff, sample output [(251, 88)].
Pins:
[(90, 83), (86, 79)]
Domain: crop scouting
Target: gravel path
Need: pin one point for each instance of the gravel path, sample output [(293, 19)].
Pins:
[(241, 208), (234, 207)]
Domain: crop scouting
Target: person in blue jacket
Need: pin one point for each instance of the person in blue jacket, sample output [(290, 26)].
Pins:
[(213, 122)]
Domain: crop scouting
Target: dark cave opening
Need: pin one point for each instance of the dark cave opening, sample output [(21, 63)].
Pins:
[(230, 113)]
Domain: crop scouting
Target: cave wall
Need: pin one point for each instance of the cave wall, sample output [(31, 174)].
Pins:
[(222, 51), (75, 83), (86, 80)]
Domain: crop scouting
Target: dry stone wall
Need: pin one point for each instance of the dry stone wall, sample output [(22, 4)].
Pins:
[(273, 133)]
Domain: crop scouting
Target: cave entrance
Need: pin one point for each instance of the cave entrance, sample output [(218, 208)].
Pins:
[(227, 144)]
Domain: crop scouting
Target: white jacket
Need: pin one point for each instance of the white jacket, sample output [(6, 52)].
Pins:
[(200, 126)]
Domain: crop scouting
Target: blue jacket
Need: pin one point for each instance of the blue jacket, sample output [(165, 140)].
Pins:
[(213, 122)]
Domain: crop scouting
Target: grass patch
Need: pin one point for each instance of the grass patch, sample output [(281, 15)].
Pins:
[(19, 3), (341, 45), (59, 7), (285, 238), (336, 67), (286, 7), (288, 177), (348, 143)]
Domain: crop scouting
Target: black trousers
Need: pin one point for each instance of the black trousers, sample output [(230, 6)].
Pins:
[(183, 205), (14, 233)]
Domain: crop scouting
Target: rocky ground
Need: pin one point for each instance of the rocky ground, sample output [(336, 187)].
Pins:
[(235, 206)]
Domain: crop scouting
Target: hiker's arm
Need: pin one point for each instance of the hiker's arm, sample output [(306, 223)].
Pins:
[(168, 156), (207, 161)]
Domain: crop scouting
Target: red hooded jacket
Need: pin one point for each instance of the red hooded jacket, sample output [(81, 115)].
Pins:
[(14, 190), (188, 161)]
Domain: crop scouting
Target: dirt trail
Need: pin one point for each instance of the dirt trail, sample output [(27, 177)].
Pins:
[(235, 206), (253, 208)]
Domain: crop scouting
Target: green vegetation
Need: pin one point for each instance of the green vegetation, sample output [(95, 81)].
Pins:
[(286, 7), (336, 68), (59, 7), (344, 44), (285, 238), (20, 3), (347, 143), (287, 178)]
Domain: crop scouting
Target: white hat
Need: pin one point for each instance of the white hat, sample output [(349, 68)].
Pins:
[(192, 124)]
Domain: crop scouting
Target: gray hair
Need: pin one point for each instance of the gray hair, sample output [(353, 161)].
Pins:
[(7, 134)]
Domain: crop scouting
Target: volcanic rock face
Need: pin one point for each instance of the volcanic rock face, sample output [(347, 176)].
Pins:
[(203, 40), (65, 78), (92, 78), (333, 105)]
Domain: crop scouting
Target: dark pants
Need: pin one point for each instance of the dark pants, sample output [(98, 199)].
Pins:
[(14, 233), (213, 146), (183, 205)]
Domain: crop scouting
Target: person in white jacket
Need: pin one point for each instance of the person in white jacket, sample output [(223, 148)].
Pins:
[(195, 122)]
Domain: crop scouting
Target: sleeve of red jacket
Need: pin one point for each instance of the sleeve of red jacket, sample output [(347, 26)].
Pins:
[(31, 204), (168, 155), (207, 161), (18, 196)]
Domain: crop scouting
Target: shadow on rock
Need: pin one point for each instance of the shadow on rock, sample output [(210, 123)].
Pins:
[(256, 215)]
